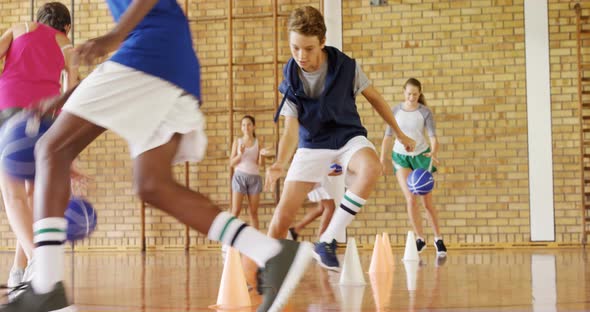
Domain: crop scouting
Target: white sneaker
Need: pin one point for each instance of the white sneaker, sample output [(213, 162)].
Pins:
[(29, 271), (15, 277)]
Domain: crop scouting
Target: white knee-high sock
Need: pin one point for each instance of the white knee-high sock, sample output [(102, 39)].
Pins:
[(49, 237), (232, 231), (349, 206)]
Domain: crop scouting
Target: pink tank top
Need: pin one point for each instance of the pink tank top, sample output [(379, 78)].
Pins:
[(32, 69), (249, 162)]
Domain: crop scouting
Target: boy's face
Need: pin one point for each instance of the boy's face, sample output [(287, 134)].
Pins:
[(306, 51)]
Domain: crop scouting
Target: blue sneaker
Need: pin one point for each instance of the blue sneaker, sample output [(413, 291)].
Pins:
[(325, 254)]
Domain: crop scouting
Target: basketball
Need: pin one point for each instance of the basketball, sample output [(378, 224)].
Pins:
[(420, 182), (81, 219), (18, 137)]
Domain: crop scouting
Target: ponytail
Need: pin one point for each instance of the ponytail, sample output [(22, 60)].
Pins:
[(416, 83)]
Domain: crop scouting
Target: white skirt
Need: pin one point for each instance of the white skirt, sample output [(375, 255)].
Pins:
[(143, 109)]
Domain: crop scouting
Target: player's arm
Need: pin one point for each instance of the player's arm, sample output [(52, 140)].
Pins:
[(5, 42), (99, 47), (379, 104), (287, 146)]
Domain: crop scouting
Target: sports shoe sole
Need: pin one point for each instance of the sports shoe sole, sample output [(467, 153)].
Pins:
[(318, 258), (296, 271), (71, 308)]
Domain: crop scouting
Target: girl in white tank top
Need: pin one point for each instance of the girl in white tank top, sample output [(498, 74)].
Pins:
[(245, 156)]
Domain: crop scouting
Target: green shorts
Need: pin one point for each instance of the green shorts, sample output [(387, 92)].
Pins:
[(411, 162)]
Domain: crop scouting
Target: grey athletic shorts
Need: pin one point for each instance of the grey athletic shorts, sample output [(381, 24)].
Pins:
[(246, 183)]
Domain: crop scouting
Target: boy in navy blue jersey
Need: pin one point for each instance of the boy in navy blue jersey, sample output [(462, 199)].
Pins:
[(148, 93), (320, 111)]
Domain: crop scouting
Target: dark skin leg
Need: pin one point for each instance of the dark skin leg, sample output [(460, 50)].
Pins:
[(54, 153), (155, 185), (152, 174)]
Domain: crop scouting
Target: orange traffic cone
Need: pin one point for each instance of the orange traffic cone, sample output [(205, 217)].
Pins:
[(233, 291), (382, 284), (388, 252), (378, 260), (250, 268)]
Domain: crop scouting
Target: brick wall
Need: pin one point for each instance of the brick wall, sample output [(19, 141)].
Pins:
[(564, 101), (469, 56)]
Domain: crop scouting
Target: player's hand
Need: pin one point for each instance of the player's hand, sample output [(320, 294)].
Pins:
[(433, 157), (273, 173), (95, 50), (48, 106), (408, 143)]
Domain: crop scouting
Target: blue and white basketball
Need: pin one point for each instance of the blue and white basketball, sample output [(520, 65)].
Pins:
[(420, 182), (18, 137), (81, 219)]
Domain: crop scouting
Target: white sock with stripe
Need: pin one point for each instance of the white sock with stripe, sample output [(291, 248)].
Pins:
[(232, 231), (349, 206), (49, 236)]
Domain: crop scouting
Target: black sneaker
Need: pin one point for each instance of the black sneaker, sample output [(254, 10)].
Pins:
[(441, 249), (294, 234), (282, 273), (29, 301), (325, 254), (420, 245)]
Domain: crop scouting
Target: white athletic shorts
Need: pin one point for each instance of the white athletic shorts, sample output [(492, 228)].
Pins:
[(313, 165), (143, 109)]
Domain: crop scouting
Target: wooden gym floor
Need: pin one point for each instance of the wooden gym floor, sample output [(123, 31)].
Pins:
[(469, 280)]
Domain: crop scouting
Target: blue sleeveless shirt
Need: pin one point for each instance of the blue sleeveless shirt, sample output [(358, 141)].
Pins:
[(160, 45), (332, 119)]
